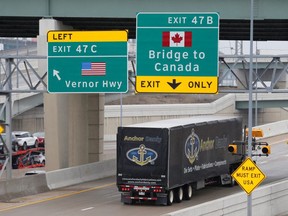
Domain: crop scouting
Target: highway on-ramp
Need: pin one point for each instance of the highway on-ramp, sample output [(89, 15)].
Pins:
[(102, 198)]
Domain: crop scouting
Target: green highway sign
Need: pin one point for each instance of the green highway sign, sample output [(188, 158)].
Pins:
[(177, 52), (87, 61)]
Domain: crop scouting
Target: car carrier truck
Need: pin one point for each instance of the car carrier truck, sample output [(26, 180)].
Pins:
[(166, 161)]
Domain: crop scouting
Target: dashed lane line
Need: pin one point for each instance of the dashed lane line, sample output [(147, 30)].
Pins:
[(57, 197)]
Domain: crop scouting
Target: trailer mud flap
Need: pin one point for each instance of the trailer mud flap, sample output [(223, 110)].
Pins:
[(226, 179)]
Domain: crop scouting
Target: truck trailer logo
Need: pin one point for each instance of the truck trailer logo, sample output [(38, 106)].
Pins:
[(192, 146), (142, 155)]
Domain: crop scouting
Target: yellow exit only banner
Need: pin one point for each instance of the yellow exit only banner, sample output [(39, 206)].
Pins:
[(172, 84)]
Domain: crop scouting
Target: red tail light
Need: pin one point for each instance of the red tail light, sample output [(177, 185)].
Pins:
[(157, 189), (125, 189)]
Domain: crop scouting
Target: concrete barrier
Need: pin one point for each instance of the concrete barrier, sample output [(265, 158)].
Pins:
[(20, 187), (274, 129), (269, 200), (75, 175), (33, 184)]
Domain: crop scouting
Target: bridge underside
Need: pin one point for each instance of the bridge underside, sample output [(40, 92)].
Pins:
[(21, 19), (230, 29)]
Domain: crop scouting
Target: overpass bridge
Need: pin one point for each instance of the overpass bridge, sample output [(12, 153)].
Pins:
[(21, 18), (66, 119)]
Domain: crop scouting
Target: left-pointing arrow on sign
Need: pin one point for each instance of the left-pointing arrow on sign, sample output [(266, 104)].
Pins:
[(56, 73)]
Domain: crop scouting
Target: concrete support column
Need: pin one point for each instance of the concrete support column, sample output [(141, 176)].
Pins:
[(73, 122), (95, 114)]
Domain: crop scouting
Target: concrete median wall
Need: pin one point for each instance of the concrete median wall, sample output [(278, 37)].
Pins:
[(268, 200), (20, 187), (34, 184), (79, 174), (274, 129)]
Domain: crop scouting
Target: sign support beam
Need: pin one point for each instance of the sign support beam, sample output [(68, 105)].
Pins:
[(249, 197)]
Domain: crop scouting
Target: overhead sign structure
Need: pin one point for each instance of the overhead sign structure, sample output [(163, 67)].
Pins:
[(87, 61), (177, 52), (248, 175)]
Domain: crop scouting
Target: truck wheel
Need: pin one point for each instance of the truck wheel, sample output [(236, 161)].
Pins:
[(24, 146), (188, 192), (36, 144), (179, 194), (233, 182), (170, 197)]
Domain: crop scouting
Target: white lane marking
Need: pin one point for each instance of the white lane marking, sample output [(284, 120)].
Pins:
[(262, 162), (86, 209)]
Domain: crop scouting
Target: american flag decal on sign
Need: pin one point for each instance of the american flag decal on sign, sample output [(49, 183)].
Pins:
[(93, 69)]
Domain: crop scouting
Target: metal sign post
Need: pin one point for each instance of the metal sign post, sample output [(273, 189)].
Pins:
[(249, 197)]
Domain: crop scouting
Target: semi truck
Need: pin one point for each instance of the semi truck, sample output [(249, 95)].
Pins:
[(166, 161)]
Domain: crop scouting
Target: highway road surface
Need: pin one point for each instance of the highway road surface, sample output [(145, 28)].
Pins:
[(102, 198)]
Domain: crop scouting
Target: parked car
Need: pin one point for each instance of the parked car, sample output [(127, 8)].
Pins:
[(41, 138), (14, 142), (26, 139), (38, 157), (22, 159), (29, 158)]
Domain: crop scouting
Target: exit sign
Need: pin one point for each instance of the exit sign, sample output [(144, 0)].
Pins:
[(87, 61), (177, 52)]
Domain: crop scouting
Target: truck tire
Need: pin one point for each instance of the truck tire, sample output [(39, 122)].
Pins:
[(178, 194), (233, 182), (170, 197), (188, 192), (36, 144), (24, 147)]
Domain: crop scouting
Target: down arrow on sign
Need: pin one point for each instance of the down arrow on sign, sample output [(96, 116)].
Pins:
[(174, 84)]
